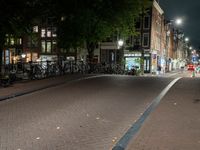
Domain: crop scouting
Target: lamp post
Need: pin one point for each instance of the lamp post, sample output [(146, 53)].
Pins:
[(120, 44), (172, 29), (186, 50), (178, 39), (23, 55)]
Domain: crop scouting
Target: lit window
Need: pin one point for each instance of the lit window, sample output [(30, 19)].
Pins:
[(48, 47), (54, 32), (43, 33), (62, 18), (12, 41), (54, 42), (49, 32), (19, 41), (43, 46), (35, 29), (7, 41)]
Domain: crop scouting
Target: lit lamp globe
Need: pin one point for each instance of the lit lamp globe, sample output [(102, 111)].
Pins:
[(179, 21), (23, 55), (120, 43), (186, 39)]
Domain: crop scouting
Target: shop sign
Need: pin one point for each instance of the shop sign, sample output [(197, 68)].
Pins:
[(133, 55)]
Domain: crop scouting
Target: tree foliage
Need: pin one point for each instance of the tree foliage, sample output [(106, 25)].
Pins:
[(16, 18), (91, 21), (80, 22)]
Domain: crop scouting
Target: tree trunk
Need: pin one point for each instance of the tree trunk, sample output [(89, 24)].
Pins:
[(91, 48)]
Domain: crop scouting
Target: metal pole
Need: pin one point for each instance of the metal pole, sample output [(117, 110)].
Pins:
[(141, 39)]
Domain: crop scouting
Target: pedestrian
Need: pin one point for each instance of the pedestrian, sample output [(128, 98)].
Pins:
[(159, 69)]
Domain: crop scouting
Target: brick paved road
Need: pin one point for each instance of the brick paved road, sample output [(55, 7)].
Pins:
[(90, 114), (26, 86), (174, 125)]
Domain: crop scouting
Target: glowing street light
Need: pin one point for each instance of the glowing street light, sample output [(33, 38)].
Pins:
[(120, 43), (190, 47), (179, 21), (186, 39), (23, 55)]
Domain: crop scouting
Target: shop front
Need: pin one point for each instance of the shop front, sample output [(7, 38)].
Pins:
[(154, 64), (133, 59)]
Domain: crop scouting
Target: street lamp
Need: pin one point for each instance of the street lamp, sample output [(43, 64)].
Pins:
[(178, 37), (186, 39), (190, 47), (23, 55), (179, 21), (120, 43)]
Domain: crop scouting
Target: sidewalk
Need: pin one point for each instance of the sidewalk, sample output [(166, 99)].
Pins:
[(25, 87), (174, 125), (174, 73), (167, 74)]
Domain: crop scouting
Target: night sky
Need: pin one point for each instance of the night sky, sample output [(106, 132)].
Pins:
[(189, 10)]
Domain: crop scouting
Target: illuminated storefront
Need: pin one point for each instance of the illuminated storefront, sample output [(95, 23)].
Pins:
[(133, 59)]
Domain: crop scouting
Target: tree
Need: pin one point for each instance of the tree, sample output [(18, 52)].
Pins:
[(85, 23), (17, 17), (80, 23), (14, 19)]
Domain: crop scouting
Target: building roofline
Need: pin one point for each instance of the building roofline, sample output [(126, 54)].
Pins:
[(157, 6)]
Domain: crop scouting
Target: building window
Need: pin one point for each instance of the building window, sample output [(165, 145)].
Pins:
[(129, 41), (54, 45), (137, 40), (43, 33), (35, 29), (48, 32), (19, 41), (43, 46), (54, 32), (63, 18), (12, 41), (138, 24), (147, 22), (146, 39), (49, 47), (7, 41)]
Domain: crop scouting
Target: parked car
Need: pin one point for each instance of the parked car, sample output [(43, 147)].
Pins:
[(190, 67)]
